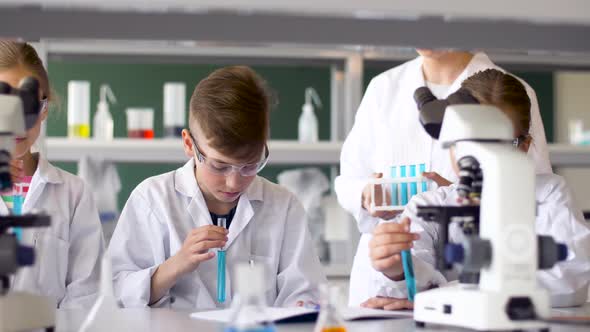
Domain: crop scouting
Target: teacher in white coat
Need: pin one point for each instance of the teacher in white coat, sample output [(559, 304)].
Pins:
[(387, 132)]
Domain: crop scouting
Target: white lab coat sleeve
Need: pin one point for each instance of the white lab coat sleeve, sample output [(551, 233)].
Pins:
[(84, 253), (299, 271), (357, 160), (568, 281), (423, 257), (538, 150), (136, 250)]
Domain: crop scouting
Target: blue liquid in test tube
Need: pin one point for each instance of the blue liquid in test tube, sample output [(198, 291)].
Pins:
[(424, 184), (221, 276), (221, 222), (404, 187), (18, 200), (409, 274)]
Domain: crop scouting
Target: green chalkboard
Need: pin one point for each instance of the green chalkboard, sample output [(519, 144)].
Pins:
[(141, 85)]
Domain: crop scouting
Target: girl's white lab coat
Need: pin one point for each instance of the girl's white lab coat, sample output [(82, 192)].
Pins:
[(557, 216), (387, 132), (269, 227), (68, 253)]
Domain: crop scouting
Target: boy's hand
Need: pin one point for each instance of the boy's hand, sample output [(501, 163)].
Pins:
[(195, 248), (366, 200), (389, 240)]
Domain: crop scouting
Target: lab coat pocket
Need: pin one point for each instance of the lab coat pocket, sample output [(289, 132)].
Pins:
[(270, 275), (51, 260)]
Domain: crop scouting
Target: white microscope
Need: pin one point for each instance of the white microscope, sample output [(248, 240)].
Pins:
[(501, 252), (19, 311)]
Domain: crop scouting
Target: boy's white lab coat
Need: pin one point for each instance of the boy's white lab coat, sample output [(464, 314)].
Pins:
[(68, 253), (269, 227), (387, 132), (557, 216)]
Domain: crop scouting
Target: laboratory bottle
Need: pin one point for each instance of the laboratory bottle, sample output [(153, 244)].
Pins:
[(102, 124), (248, 306), (78, 109), (174, 108), (308, 122), (329, 319)]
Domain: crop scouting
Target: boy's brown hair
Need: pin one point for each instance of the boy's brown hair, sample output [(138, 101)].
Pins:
[(232, 106), (493, 87)]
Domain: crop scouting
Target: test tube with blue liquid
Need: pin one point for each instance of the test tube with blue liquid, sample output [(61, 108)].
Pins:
[(18, 200), (221, 222), (404, 198), (424, 184), (404, 187)]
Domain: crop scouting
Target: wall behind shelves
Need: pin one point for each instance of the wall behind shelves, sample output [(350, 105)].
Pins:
[(141, 85)]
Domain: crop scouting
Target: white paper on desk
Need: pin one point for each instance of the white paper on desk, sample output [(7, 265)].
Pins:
[(270, 313), (358, 313), (276, 314)]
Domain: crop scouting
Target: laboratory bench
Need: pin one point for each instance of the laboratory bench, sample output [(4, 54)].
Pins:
[(180, 321)]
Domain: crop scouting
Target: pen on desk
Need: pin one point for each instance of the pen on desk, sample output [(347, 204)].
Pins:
[(221, 222)]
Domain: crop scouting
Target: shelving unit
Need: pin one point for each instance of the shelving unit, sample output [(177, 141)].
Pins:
[(565, 155), (282, 152), (170, 151), (548, 26)]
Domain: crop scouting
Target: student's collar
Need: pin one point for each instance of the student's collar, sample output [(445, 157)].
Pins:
[(186, 183), (47, 172)]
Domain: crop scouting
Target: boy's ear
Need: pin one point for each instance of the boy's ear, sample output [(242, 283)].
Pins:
[(187, 143)]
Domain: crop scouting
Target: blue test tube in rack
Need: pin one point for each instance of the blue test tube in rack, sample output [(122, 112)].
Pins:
[(404, 187), (424, 184)]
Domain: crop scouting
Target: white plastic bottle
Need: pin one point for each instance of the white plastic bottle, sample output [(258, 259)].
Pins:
[(102, 125), (174, 108), (308, 122), (78, 109)]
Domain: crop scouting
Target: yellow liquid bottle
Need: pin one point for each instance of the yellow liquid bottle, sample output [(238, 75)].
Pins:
[(79, 131)]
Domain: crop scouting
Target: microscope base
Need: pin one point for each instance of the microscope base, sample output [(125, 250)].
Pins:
[(467, 306)]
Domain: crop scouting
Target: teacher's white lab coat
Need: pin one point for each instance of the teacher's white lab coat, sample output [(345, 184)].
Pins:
[(68, 253), (567, 282), (269, 227)]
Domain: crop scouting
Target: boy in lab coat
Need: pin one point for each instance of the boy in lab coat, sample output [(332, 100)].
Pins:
[(567, 282), (164, 247)]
